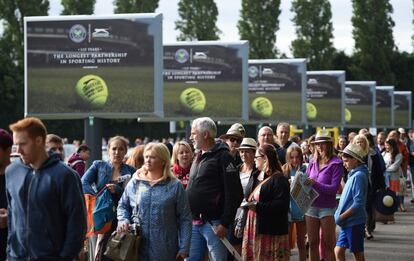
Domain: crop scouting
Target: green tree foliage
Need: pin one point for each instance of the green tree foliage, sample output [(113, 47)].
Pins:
[(77, 7), (259, 22), (197, 20), (11, 55), (135, 6), (374, 42), (314, 33)]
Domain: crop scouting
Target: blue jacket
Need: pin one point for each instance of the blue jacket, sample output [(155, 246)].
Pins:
[(46, 211), (164, 214), (354, 196), (100, 173)]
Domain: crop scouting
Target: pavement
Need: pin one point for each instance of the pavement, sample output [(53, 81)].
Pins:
[(391, 242)]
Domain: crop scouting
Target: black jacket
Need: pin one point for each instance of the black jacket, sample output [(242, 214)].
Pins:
[(214, 190), (273, 206)]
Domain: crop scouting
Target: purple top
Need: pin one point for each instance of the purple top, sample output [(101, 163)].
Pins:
[(328, 180)]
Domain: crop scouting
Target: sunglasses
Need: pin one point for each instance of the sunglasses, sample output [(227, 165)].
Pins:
[(235, 140)]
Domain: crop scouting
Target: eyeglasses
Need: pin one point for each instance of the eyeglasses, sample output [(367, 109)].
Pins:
[(235, 140), (256, 157)]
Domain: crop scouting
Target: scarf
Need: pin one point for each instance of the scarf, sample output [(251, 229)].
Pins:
[(183, 174)]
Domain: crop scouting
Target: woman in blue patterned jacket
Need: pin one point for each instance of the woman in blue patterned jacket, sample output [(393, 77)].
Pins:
[(156, 200)]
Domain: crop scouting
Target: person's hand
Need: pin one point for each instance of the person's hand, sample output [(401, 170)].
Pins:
[(3, 218), (111, 188), (309, 182), (220, 231), (238, 232), (181, 256), (124, 226)]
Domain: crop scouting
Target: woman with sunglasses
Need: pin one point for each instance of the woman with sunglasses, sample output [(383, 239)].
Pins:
[(266, 231), (233, 139)]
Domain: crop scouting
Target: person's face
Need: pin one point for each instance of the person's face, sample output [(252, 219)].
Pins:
[(152, 161), (381, 139), (247, 155), (4, 157), (117, 151), (85, 154), (321, 147), (260, 161), (349, 163), (388, 147), (304, 147), (234, 144), (56, 147), (184, 156), (265, 136), (197, 138), (295, 159), (361, 143), (283, 134), (28, 148), (342, 143)]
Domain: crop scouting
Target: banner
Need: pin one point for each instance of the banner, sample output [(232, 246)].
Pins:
[(360, 104), (384, 106), (402, 109), (104, 66), (205, 79), (277, 89), (325, 98)]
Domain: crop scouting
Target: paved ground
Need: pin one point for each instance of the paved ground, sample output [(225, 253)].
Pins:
[(392, 242)]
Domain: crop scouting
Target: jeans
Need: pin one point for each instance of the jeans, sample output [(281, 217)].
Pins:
[(203, 239), (412, 181), (387, 177)]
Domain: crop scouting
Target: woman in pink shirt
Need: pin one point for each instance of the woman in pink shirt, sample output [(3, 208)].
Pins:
[(325, 172)]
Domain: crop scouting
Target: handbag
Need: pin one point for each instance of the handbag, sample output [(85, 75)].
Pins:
[(123, 246)]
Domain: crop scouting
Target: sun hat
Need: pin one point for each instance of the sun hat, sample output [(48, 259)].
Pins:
[(322, 136), (233, 132), (386, 202), (240, 127), (354, 151), (401, 130), (248, 143)]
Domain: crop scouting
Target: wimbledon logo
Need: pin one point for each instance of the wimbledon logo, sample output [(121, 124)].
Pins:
[(77, 33), (181, 55), (253, 71)]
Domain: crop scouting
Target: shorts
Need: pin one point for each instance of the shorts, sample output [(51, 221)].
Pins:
[(352, 238), (319, 213)]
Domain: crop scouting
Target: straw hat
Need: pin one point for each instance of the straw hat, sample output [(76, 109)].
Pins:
[(248, 143), (323, 136), (354, 151), (233, 132), (238, 126)]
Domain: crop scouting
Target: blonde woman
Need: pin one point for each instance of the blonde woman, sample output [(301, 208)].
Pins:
[(182, 157), (156, 200)]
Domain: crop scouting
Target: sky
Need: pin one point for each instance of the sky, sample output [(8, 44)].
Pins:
[(229, 14)]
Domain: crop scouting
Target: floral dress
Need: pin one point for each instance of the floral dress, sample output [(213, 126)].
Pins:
[(259, 247)]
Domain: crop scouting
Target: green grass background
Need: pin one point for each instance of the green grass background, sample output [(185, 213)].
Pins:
[(223, 99), (401, 119), (360, 115), (328, 110), (383, 116), (52, 90), (286, 106)]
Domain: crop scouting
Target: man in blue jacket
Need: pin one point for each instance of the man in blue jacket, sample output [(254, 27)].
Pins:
[(351, 214), (46, 210)]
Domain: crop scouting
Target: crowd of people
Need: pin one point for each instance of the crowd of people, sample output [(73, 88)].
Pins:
[(190, 198)]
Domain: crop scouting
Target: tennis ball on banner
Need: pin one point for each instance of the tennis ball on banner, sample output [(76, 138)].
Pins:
[(311, 111), (348, 115), (262, 106), (193, 100), (92, 89)]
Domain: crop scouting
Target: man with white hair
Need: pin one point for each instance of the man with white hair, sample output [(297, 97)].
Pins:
[(214, 191), (265, 136)]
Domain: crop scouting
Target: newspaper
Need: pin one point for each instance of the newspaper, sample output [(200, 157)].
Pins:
[(302, 194)]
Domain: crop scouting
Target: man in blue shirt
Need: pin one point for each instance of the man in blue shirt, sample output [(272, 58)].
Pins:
[(351, 214)]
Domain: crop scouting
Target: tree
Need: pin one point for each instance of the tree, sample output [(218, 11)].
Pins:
[(374, 42), (314, 33), (135, 6), (259, 23), (77, 7), (11, 54), (198, 20)]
